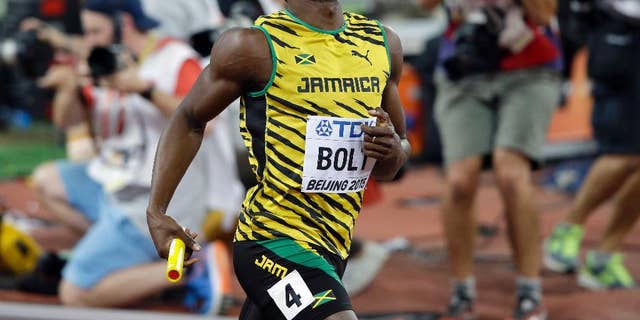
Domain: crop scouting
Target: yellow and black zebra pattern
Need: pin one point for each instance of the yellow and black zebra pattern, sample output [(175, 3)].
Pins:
[(338, 73)]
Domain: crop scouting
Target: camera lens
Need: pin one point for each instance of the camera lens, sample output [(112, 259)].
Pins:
[(27, 53), (102, 62)]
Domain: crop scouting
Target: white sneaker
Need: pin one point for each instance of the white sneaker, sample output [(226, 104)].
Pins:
[(363, 268)]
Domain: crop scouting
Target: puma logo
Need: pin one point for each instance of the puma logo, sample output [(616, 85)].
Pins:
[(360, 55)]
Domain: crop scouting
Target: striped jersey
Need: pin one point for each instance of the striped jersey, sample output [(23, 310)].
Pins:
[(303, 130)]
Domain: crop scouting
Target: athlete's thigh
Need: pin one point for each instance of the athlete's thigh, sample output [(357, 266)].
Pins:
[(343, 315), (250, 311), (287, 281)]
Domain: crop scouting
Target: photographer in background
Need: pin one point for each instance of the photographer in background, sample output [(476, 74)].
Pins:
[(139, 80), (497, 92), (24, 57), (613, 29)]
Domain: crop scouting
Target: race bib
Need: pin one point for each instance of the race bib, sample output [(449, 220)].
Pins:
[(334, 161), (291, 295)]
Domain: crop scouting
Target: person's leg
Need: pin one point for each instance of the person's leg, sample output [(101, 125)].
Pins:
[(69, 193), (118, 289), (459, 222), (513, 176), (604, 267), (626, 211), (343, 315), (113, 265), (115, 255), (614, 119), (625, 214), (462, 105), (460, 232), (54, 238), (250, 311), (466, 123), (527, 103), (605, 178)]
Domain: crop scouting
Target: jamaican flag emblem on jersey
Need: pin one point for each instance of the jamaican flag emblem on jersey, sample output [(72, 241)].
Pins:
[(305, 58)]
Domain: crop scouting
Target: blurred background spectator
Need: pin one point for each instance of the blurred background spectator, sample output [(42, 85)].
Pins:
[(20, 93), (497, 91), (613, 33)]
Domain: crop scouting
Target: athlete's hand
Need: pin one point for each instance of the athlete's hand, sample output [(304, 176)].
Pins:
[(381, 141), (164, 229)]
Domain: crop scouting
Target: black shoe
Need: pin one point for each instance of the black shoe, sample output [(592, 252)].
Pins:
[(45, 279)]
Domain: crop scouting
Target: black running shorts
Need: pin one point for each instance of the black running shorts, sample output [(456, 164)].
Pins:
[(283, 280), (616, 118)]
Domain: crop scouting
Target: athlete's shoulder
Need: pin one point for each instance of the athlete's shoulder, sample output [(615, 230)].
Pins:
[(393, 40), (242, 52), (240, 38)]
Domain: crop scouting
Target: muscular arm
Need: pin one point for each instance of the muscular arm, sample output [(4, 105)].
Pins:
[(239, 59), (391, 127)]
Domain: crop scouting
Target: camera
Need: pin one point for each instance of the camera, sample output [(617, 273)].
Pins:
[(477, 48), (105, 61), (27, 53)]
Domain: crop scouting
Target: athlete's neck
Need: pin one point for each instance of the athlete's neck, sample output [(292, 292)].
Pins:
[(322, 14)]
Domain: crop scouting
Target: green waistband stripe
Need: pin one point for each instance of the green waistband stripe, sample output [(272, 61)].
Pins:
[(294, 252)]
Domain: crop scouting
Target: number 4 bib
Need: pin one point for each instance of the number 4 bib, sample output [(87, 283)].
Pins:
[(334, 161), (291, 295)]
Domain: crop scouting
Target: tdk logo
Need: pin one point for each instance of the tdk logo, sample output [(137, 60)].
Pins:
[(324, 128), (343, 128)]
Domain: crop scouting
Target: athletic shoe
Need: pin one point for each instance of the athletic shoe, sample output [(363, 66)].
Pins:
[(209, 281), (529, 308), (45, 279), (609, 273), (562, 248), (460, 306), (363, 268)]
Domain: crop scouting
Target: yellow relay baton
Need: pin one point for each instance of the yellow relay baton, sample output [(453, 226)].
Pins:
[(175, 261)]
